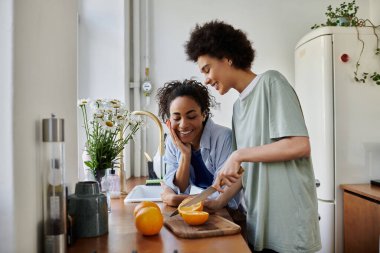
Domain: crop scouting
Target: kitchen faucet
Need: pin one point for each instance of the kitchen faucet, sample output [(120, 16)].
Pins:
[(161, 134)]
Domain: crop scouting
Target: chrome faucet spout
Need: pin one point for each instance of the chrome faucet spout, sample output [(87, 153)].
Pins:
[(160, 149)]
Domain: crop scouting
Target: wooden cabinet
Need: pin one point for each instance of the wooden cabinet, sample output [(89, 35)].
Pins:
[(361, 218)]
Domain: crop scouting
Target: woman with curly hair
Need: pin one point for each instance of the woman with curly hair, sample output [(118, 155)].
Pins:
[(270, 141), (197, 147)]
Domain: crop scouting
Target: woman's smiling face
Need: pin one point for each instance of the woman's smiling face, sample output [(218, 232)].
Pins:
[(187, 120), (217, 73)]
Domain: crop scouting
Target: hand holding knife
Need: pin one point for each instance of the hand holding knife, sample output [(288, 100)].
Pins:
[(204, 194), (227, 180)]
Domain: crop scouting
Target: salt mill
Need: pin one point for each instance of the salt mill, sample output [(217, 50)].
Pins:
[(53, 163)]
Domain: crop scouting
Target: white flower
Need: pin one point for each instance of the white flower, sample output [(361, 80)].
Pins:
[(109, 125), (123, 110), (115, 103), (83, 101), (134, 120), (99, 114), (99, 117), (105, 130), (120, 119), (97, 104)]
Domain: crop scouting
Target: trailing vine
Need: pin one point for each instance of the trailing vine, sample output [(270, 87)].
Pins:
[(375, 77), (345, 15)]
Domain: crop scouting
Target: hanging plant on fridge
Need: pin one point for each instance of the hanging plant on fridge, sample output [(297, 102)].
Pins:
[(345, 15)]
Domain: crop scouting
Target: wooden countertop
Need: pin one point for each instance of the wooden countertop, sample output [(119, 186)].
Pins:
[(366, 190), (123, 236)]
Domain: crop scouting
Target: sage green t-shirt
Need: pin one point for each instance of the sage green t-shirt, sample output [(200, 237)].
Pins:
[(280, 197)]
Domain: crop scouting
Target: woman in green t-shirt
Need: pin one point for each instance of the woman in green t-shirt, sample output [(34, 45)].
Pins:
[(270, 141)]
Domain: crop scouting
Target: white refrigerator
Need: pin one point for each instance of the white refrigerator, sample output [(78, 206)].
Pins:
[(342, 117)]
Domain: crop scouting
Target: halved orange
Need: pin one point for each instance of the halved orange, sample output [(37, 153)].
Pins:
[(145, 204), (196, 207), (195, 217)]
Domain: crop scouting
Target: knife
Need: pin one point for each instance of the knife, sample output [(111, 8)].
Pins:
[(204, 194)]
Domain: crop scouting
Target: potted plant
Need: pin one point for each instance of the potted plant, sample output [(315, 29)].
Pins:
[(345, 15), (107, 132)]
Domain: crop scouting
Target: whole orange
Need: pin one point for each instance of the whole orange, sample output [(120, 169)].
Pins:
[(145, 204), (149, 220)]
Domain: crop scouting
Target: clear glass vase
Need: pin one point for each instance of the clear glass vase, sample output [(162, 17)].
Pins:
[(87, 172)]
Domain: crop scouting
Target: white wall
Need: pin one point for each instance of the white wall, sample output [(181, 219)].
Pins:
[(101, 56), (273, 26), (374, 10), (6, 178), (39, 78)]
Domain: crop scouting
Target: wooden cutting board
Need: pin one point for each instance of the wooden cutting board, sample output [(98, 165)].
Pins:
[(215, 226)]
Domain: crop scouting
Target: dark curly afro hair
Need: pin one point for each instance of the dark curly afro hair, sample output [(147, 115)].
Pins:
[(220, 40), (188, 88)]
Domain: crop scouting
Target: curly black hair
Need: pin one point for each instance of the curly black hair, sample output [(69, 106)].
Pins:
[(188, 88), (220, 40)]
